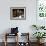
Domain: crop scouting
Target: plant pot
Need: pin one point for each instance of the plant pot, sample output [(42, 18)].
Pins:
[(40, 41)]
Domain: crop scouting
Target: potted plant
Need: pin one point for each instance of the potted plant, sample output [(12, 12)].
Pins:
[(39, 35)]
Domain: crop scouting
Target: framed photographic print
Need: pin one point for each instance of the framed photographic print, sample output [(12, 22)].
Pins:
[(17, 13), (41, 8), (41, 12)]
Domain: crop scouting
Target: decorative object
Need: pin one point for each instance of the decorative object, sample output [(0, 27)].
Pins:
[(14, 30), (18, 13), (23, 44)]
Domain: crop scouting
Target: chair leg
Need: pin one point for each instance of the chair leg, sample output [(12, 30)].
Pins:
[(5, 43), (5, 40)]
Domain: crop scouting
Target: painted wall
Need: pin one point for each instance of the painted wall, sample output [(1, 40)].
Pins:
[(24, 25)]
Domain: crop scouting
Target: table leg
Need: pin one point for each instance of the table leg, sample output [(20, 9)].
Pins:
[(5, 40)]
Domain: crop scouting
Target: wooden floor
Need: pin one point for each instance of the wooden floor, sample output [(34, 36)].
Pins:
[(13, 44)]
